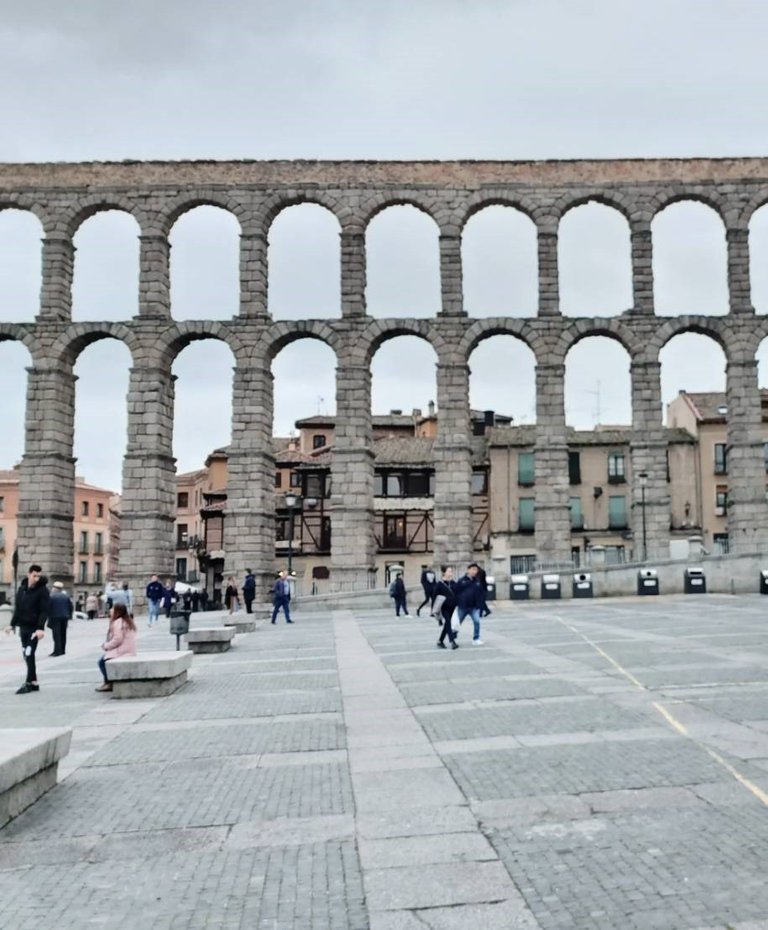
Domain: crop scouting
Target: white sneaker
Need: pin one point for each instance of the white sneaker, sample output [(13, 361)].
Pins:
[(477, 642)]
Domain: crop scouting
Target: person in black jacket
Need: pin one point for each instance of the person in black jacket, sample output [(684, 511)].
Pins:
[(397, 592), (59, 614), (469, 597), (429, 584), (29, 614), (446, 588), (249, 590)]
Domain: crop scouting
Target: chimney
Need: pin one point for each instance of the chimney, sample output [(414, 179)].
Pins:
[(396, 413), (489, 417), (431, 408), (416, 413)]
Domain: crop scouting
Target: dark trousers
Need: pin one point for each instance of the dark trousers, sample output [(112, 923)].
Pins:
[(277, 604), (29, 642), (58, 627), (400, 604), (103, 669), (429, 598), (446, 630), (248, 598)]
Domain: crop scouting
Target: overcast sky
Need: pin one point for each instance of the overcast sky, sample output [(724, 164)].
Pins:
[(343, 79)]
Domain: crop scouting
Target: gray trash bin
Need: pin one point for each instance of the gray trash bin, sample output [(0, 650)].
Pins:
[(519, 588), (648, 581), (764, 581), (694, 581), (550, 588), (582, 585)]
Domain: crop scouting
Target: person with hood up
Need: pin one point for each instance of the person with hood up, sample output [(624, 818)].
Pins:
[(29, 614)]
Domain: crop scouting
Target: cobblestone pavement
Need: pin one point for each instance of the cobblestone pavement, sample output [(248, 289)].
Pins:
[(596, 764)]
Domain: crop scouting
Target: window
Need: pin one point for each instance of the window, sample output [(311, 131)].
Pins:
[(394, 486), (522, 564), (614, 555), (97, 572), (721, 458), (616, 468), (527, 514), (574, 467), (99, 544), (480, 482), (315, 486), (83, 542), (2, 505), (577, 515), (394, 531), (720, 541), (617, 513), (416, 484), (281, 529), (278, 479), (526, 469), (2, 540), (765, 457), (182, 500), (721, 500), (295, 479), (100, 511), (84, 509), (319, 440), (182, 532), (378, 485), (181, 569), (82, 576)]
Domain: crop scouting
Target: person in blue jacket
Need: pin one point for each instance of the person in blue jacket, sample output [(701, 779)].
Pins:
[(470, 597)]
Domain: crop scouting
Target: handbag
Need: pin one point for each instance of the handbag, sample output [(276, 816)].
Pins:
[(455, 624), (436, 607)]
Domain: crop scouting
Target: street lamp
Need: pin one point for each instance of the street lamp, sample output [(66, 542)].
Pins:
[(292, 503), (643, 478)]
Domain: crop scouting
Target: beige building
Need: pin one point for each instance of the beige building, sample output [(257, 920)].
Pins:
[(96, 535), (705, 416), (604, 524)]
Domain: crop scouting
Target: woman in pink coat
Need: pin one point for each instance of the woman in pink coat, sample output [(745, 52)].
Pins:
[(121, 641)]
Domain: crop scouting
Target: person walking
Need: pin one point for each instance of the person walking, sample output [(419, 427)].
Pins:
[(249, 590), (169, 597), (485, 610), (397, 591), (204, 599), (123, 595), (195, 601), (120, 641), (281, 597), (445, 596), (92, 606), (429, 584), (231, 599), (154, 592), (29, 614), (60, 611), (469, 598)]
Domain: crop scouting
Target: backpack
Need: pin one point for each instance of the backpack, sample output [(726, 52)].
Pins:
[(392, 589)]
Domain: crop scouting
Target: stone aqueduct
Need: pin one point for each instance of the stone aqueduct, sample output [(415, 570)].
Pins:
[(62, 196)]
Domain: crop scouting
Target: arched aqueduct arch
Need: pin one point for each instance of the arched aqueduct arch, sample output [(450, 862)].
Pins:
[(157, 193)]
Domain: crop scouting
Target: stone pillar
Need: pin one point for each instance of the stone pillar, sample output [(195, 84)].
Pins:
[(747, 510), (553, 518), (154, 277), (353, 273), (47, 477), (58, 268), (253, 275), (148, 515), (451, 285), (739, 284), (642, 269), (648, 451), (249, 523), (353, 547), (549, 283), (453, 469)]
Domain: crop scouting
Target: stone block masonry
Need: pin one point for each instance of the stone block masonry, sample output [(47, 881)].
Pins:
[(157, 193)]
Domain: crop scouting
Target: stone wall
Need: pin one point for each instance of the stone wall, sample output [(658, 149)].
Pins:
[(157, 193)]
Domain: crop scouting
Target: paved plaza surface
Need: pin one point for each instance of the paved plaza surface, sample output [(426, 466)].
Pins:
[(596, 764)]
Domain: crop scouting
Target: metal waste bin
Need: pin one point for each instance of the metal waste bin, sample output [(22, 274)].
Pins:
[(582, 585), (179, 625), (764, 581), (490, 588), (550, 587), (519, 588), (648, 581), (694, 581)]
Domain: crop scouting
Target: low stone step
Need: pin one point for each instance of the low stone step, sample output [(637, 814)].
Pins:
[(241, 626), (29, 764), (210, 639), (149, 674)]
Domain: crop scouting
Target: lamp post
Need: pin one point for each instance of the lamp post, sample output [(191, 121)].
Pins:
[(292, 503), (643, 478)]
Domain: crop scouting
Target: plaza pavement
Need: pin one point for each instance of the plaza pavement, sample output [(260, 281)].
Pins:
[(596, 764)]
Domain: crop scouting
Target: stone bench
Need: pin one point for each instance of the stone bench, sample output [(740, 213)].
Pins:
[(149, 674), (240, 626), (29, 763), (210, 639)]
